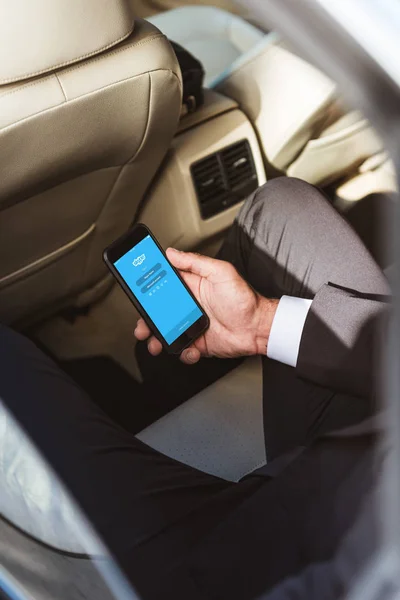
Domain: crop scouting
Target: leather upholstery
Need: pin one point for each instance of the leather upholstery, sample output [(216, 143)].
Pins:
[(40, 36), (376, 175), (337, 151), (216, 37), (78, 148), (294, 107), (284, 96)]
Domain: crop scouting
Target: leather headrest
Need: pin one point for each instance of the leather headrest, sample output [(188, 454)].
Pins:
[(37, 36)]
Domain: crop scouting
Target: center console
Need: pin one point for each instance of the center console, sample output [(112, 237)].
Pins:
[(213, 164)]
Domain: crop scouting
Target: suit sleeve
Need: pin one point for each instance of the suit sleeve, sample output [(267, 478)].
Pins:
[(339, 340)]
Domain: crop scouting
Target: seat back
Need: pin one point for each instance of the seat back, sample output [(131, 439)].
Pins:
[(89, 102), (303, 131)]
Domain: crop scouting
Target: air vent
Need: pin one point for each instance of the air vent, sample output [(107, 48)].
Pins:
[(224, 178), (239, 166), (209, 180)]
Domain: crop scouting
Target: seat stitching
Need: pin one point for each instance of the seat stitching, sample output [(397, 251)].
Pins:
[(110, 193), (45, 260), (126, 47), (99, 90), (23, 87), (68, 62), (61, 86), (7, 204), (129, 46), (146, 129)]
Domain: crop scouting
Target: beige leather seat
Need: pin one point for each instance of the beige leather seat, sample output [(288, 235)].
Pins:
[(376, 175), (89, 102), (303, 130)]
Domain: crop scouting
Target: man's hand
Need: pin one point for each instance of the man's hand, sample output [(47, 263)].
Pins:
[(240, 319)]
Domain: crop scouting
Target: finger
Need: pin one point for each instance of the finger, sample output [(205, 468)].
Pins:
[(142, 332), (190, 355), (154, 346), (204, 266), (190, 279)]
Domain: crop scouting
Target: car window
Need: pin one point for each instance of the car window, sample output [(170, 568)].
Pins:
[(48, 522), (23, 469), (356, 43)]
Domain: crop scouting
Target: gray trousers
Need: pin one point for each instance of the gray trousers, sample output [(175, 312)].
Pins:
[(181, 533), (288, 240)]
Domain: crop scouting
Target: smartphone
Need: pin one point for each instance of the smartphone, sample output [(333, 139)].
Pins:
[(160, 295)]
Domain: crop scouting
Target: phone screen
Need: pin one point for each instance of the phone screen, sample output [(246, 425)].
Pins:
[(157, 288)]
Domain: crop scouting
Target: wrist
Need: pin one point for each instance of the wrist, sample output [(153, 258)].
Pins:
[(265, 313)]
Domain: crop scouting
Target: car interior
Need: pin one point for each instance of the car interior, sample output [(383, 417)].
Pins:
[(94, 138)]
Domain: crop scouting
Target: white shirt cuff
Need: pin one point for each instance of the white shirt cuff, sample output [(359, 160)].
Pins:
[(287, 329)]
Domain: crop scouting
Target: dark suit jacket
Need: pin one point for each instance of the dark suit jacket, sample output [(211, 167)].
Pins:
[(338, 344)]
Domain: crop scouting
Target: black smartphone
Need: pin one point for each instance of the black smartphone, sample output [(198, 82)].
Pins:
[(160, 295)]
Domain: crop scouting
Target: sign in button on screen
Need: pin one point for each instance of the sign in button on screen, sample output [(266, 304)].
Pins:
[(150, 284), (148, 274)]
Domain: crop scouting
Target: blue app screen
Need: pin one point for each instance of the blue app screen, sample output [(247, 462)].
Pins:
[(156, 286)]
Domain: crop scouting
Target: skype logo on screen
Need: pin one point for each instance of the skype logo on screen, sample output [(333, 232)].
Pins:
[(138, 261)]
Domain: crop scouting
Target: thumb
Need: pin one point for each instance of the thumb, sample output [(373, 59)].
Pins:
[(190, 355), (204, 266)]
